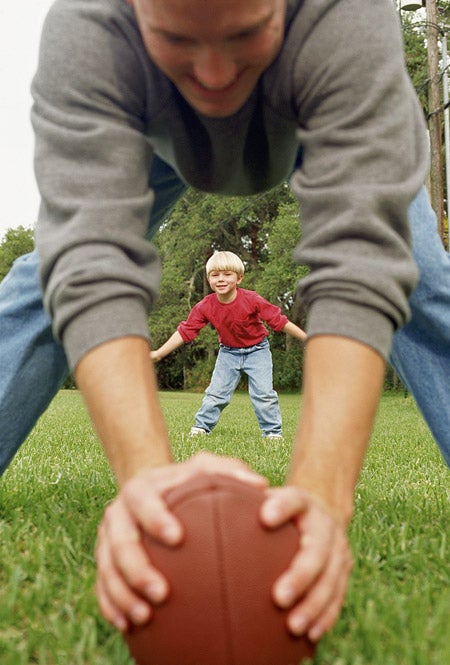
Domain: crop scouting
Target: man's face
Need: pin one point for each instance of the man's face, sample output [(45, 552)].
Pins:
[(214, 51)]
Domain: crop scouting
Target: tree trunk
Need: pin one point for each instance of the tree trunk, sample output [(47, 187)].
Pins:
[(434, 96)]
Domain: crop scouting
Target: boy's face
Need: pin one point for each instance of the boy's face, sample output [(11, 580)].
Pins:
[(224, 283), (214, 51)]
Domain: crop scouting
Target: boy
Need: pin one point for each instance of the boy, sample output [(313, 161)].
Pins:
[(237, 315)]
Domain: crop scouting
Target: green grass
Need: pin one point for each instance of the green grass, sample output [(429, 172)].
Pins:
[(52, 497)]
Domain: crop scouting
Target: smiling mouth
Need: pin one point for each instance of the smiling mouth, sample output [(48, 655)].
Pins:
[(212, 90), (222, 88)]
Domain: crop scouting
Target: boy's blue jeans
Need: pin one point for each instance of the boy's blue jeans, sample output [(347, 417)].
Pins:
[(33, 366), (254, 361)]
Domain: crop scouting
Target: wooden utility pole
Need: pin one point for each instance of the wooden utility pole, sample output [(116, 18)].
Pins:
[(434, 114)]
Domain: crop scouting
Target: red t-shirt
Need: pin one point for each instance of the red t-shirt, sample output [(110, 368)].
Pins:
[(238, 323)]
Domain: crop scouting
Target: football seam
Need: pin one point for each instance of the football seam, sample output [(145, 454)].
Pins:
[(223, 586)]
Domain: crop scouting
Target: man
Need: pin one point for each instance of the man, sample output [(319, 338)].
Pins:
[(132, 103)]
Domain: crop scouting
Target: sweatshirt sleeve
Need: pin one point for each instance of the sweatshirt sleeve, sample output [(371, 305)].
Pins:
[(92, 158), (365, 157)]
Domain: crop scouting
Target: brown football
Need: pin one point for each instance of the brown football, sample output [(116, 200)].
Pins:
[(220, 610)]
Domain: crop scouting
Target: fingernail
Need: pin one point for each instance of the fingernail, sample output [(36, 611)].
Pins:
[(120, 623), (171, 534), (285, 595), (271, 513), (156, 592), (315, 634), (297, 624), (139, 614)]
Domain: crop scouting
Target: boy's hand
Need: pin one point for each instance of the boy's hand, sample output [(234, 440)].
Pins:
[(127, 584), (314, 586)]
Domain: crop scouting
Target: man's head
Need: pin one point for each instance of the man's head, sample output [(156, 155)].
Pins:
[(214, 51)]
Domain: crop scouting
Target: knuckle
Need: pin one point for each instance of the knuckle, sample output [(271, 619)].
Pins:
[(139, 581), (120, 547), (130, 492), (201, 458), (350, 563), (107, 514)]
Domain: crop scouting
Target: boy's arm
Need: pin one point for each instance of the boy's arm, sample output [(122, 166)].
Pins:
[(190, 329), (272, 315), (293, 330), (172, 343)]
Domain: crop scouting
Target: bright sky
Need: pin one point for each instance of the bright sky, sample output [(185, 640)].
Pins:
[(20, 26)]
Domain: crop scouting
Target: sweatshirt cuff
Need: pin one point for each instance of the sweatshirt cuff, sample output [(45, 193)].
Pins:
[(358, 322), (111, 319)]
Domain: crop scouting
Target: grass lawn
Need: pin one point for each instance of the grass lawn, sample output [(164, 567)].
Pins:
[(51, 499)]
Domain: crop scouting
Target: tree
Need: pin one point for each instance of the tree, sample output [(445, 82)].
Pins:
[(433, 23), (279, 274), (15, 243), (434, 116), (416, 57)]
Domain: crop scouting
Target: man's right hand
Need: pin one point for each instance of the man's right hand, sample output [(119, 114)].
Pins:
[(127, 584)]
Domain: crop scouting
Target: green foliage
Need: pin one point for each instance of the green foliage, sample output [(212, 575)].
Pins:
[(414, 39), (15, 243), (276, 279), (53, 496), (198, 376), (287, 367)]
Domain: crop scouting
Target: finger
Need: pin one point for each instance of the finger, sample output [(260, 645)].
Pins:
[(108, 609), (132, 609), (282, 504), (126, 557), (312, 558), (319, 607), (149, 510), (328, 618), (116, 600)]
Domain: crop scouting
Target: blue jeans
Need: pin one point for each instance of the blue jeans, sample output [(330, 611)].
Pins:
[(33, 365), (421, 349), (231, 364)]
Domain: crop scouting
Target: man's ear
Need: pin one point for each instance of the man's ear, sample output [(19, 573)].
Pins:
[(130, 2)]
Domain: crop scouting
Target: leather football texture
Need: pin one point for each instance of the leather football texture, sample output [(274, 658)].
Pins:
[(220, 609)]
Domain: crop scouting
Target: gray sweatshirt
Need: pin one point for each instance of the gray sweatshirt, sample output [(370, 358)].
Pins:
[(338, 89)]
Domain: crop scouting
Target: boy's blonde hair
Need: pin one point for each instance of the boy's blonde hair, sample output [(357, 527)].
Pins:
[(225, 261)]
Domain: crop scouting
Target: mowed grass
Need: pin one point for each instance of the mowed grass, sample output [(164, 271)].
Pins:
[(397, 610)]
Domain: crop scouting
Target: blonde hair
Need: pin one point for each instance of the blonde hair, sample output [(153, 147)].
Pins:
[(225, 261)]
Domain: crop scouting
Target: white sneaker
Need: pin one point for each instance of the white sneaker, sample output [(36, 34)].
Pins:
[(274, 436), (196, 431)]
